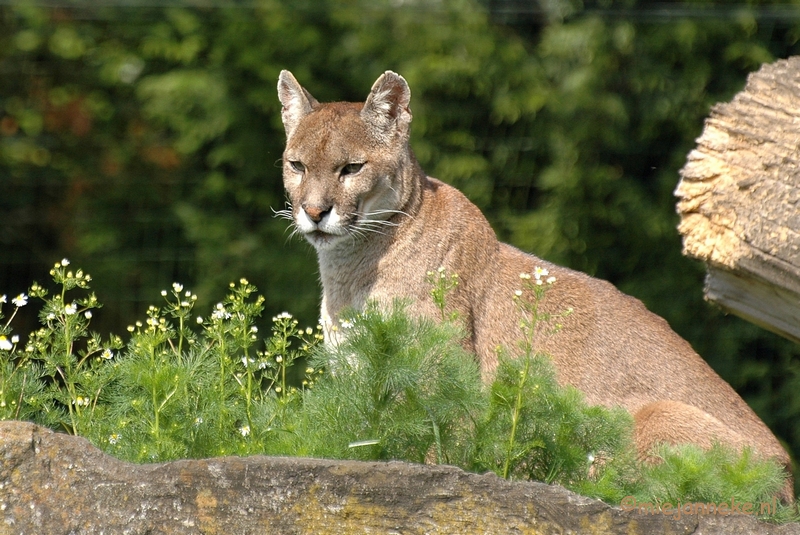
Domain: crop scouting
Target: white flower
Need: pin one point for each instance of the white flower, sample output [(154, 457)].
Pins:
[(177, 287), (199, 319), (347, 324), (539, 272), (551, 280), (70, 309), (114, 438), (220, 313), (3, 299), (518, 293), (5, 344), (525, 276), (107, 354), (198, 421), (88, 314), (15, 339), (244, 430), (282, 316), (20, 301), (64, 262), (163, 293)]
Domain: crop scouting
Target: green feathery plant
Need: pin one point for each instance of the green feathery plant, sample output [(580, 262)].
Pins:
[(21, 386), (394, 387), (688, 473), (70, 359), (534, 428), (398, 388)]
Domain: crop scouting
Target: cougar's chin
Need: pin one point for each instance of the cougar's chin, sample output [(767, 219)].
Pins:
[(323, 240)]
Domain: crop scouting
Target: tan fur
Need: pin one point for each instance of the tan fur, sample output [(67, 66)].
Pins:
[(380, 229)]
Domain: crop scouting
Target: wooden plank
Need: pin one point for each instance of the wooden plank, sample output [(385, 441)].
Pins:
[(745, 296)]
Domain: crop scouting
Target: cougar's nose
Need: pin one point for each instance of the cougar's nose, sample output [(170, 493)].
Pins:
[(316, 213)]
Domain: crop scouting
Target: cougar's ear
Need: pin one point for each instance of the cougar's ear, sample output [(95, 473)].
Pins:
[(297, 102), (386, 108)]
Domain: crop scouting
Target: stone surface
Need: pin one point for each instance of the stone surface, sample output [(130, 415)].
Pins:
[(52, 483)]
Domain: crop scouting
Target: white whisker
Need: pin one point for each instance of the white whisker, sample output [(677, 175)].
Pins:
[(355, 232), (384, 212), (365, 228), (283, 214), (379, 222)]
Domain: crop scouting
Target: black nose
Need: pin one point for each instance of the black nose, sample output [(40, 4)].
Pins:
[(316, 213)]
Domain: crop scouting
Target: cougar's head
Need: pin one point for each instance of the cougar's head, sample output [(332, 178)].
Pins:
[(344, 162)]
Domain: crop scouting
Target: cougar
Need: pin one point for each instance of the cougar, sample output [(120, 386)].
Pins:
[(379, 225)]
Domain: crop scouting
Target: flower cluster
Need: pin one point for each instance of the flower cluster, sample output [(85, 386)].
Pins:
[(539, 274), (69, 279), (442, 284), (68, 377), (530, 281), (184, 301), (7, 344), (219, 313)]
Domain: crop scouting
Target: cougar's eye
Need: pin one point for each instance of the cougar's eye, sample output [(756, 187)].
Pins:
[(297, 166), (352, 168)]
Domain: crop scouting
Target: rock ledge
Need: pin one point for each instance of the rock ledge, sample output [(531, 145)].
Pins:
[(52, 483)]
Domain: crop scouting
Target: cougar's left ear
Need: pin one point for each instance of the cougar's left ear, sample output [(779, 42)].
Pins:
[(386, 108), (297, 102)]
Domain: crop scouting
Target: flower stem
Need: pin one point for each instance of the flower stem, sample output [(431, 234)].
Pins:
[(515, 418)]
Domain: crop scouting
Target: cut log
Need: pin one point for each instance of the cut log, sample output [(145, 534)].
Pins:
[(739, 201)]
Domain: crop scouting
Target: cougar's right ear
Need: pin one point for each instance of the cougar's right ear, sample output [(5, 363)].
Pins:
[(297, 102)]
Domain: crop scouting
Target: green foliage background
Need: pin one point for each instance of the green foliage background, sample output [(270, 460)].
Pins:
[(141, 142)]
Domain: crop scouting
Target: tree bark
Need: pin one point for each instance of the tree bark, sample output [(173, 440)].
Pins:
[(739, 194), (58, 484)]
